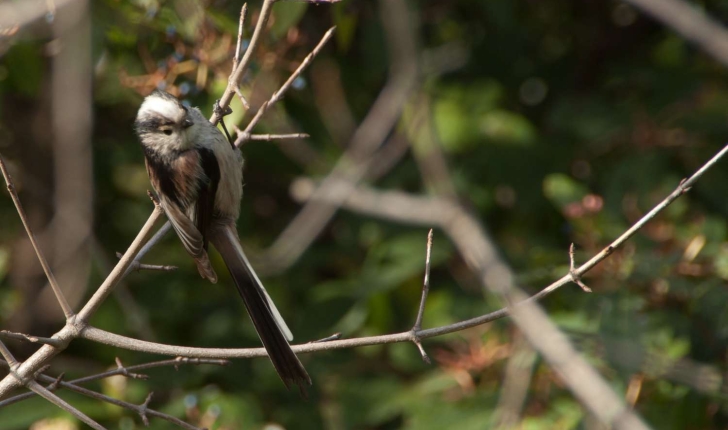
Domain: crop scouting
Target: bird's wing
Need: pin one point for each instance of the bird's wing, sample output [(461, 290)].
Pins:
[(205, 205)]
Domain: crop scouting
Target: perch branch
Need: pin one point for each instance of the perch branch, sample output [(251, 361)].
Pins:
[(400, 207)]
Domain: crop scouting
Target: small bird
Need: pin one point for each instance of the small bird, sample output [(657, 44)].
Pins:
[(198, 176)]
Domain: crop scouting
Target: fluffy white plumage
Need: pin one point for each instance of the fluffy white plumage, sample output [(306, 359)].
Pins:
[(155, 105)]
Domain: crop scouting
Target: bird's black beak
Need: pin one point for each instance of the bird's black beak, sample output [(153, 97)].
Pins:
[(187, 123)]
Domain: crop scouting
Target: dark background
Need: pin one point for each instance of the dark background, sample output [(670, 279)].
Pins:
[(552, 121)]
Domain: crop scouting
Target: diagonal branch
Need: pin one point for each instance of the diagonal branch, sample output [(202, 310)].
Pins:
[(121, 268), (72, 328), (244, 63), (425, 289), (691, 22), (369, 136), (67, 311), (278, 95), (46, 394)]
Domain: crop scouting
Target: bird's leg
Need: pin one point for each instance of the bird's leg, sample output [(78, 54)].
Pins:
[(221, 113)]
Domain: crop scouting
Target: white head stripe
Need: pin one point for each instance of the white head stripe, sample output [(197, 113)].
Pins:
[(160, 106)]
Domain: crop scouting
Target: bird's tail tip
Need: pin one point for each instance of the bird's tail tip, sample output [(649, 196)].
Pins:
[(204, 266)]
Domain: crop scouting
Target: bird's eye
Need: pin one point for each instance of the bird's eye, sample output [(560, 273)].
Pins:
[(167, 131)]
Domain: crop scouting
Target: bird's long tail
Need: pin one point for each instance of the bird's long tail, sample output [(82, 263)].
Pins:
[(271, 328)]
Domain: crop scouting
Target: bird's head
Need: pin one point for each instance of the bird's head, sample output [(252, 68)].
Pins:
[(164, 124)]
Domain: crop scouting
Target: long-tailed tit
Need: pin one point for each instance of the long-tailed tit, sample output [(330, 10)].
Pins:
[(197, 175)]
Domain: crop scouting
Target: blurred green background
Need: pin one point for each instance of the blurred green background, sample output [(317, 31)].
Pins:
[(552, 121)]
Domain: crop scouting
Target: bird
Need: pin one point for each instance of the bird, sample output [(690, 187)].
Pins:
[(197, 175)]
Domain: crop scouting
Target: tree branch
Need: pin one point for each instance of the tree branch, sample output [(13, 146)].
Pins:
[(694, 25), (369, 136), (72, 328), (46, 394), (121, 370), (67, 311), (246, 134), (244, 63)]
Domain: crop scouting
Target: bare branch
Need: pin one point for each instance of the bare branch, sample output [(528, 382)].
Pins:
[(124, 371), (43, 392), (8, 356), (515, 386), (67, 311), (241, 29), (239, 70), (269, 137), (137, 266), (28, 338), (425, 289), (369, 136), (392, 205), (479, 253), (425, 283), (73, 327), (575, 277), (242, 98), (142, 410), (691, 23), (246, 134), (335, 336), (121, 268), (176, 362)]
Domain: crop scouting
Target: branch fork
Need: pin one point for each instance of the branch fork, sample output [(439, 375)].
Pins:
[(417, 327), (574, 273)]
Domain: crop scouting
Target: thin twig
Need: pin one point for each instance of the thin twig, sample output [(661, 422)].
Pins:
[(335, 336), (425, 283), (246, 134), (142, 410), (124, 371), (8, 356), (269, 137), (175, 362), (137, 266), (310, 221), (425, 289), (241, 29), (242, 98), (121, 268), (74, 326), (244, 63), (575, 277), (46, 394), (691, 22), (28, 338), (67, 311)]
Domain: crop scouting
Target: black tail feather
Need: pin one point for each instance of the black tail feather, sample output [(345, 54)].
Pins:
[(284, 360)]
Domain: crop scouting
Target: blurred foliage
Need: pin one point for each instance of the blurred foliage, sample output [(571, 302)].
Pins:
[(561, 122)]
